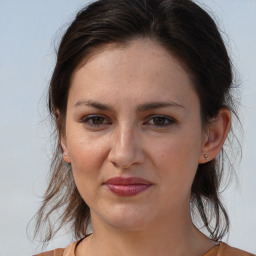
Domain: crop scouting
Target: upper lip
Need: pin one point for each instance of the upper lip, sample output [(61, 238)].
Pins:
[(127, 181)]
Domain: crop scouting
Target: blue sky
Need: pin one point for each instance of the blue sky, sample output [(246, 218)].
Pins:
[(27, 32)]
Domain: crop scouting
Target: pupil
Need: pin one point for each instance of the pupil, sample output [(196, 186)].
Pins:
[(97, 120), (159, 120)]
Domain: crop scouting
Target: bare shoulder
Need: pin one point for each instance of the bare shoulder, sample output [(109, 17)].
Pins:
[(226, 250), (56, 252)]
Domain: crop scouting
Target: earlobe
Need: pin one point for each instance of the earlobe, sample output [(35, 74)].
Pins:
[(217, 132), (63, 144), (65, 153)]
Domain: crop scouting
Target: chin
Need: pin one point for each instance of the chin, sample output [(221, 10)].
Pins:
[(127, 218)]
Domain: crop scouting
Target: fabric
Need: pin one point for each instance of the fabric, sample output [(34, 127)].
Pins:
[(220, 250)]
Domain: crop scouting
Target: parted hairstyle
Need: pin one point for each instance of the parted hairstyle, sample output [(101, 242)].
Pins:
[(189, 34)]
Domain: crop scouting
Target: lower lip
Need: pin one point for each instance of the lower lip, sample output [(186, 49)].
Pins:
[(127, 190)]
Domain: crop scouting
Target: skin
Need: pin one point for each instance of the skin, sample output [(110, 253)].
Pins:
[(133, 137)]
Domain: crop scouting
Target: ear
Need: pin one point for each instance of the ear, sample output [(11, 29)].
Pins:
[(216, 133), (65, 152), (63, 143)]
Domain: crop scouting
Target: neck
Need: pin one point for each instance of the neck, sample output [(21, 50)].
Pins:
[(177, 235)]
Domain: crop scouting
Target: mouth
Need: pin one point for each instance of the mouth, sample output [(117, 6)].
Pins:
[(127, 186)]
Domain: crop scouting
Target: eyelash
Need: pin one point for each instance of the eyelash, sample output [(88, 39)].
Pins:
[(89, 120), (166, 121)]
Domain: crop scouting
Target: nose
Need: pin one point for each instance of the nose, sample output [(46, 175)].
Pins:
[(126, 148)]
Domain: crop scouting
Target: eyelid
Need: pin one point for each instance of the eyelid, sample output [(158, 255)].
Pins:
[(85, 120), (88, 120), (170, 120)]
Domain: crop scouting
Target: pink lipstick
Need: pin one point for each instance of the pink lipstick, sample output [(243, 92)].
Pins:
[(127, 186)]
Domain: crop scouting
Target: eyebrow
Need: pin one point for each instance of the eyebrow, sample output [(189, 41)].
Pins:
[(158, 104), (140, 108), (94, 104)]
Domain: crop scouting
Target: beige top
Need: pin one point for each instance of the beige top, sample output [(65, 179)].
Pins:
[(219, 250)]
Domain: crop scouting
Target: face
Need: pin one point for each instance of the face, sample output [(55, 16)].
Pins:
[(133, 135)]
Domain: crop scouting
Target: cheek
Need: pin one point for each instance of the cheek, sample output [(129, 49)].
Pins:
[(177, 158), (87, 155)]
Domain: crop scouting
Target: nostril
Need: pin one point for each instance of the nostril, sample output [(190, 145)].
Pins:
[(115, 164), (126, 160), (125, 149)]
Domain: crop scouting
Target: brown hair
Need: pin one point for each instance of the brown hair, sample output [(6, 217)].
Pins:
[(188, 33)]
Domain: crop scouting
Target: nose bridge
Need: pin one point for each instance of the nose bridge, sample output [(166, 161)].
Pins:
[(126, 148)]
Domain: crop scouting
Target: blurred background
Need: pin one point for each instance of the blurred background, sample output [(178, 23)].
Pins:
[(29, 31)]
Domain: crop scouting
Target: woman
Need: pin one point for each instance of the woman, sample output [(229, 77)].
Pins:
[(141, 100)]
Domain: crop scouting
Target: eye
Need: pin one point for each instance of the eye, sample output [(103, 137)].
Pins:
[(161, 121), (95, 120)]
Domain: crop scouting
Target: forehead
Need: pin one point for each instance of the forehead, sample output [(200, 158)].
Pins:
[(140, 51), (141, 68)]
